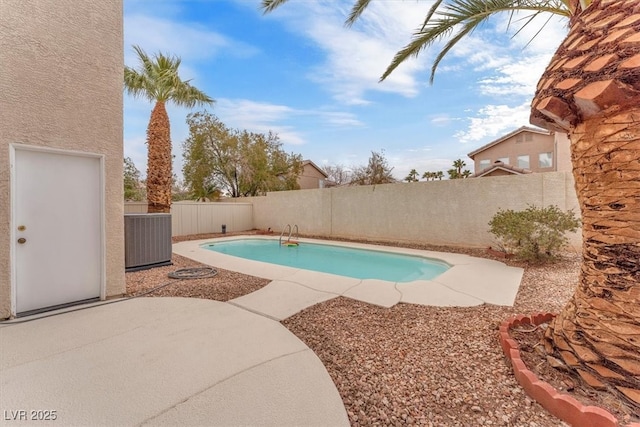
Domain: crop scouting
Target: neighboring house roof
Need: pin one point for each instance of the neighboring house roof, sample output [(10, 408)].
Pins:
[(499, 166), (507, 136), (310, 163)]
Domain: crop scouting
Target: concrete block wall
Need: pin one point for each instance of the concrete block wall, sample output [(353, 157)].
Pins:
[(450, 212)]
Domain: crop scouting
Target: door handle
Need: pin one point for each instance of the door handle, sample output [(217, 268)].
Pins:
[(22, 240)]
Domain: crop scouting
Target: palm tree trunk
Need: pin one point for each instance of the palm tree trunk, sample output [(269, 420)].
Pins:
[(598, 332), (591, 90), (159, 161)]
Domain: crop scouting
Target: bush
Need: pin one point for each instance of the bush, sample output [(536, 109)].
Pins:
[(535, 234)]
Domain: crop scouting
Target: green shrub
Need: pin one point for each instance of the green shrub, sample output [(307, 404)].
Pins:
[(534, 234)]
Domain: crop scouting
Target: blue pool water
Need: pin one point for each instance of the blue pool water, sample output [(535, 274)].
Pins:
[(350, 262)]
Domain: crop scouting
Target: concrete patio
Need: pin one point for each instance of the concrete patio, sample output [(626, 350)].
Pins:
[(163, 361), (186, 361)]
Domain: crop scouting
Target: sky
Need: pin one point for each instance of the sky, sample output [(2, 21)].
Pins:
[(302, 74)]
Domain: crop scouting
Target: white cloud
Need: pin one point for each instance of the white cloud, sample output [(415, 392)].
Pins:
[(187, 40), (517, 78), (356, 57), (258, 117), (340, 119), (264, 117), (441, 120), (493, 121), (513, 65), (542, 35)]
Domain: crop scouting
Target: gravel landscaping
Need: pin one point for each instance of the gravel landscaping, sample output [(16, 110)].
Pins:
[(410, 364)]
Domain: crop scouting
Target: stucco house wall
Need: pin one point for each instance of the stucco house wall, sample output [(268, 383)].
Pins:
[(61, 64), (563, 150), (311, 176), (522, 142)]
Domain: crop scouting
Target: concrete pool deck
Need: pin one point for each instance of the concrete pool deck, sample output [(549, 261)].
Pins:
[(188, 361), (470, 281), (161, 361)]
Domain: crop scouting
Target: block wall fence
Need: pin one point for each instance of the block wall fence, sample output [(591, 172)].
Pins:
[(449, 212)]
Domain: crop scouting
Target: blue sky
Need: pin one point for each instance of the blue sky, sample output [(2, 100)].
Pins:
[(300, 73)]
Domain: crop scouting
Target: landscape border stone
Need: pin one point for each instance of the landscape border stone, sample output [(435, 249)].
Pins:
[(561, 405)]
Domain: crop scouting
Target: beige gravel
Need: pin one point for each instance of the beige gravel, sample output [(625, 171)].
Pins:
[(407, 365)]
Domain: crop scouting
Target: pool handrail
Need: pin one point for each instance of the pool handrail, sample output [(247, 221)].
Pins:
[(291, 232)]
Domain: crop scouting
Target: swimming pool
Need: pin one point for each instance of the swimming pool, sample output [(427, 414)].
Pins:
[(344, 261)]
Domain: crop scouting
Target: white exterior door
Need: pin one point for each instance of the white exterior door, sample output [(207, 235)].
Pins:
[(57, 228)]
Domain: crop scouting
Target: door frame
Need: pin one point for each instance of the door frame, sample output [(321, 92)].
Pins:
[(13, 147)]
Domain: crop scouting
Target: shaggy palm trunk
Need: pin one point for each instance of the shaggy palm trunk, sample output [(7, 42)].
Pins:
[(598, 332), (159, 161), (591, 90)]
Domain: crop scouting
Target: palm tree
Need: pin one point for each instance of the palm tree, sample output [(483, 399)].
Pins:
[(413, 176), (590, 90), (457, 172), (459, 164), (157, 80)]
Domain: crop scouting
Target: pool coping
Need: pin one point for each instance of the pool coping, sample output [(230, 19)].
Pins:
[(470, 281)]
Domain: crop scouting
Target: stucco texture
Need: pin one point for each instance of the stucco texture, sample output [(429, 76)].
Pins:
[(61, 65), (450, 212)]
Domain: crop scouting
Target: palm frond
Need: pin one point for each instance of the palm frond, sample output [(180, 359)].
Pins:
[(270, 5), (157, 79), (433, 9), (440, 23), (357, 9)]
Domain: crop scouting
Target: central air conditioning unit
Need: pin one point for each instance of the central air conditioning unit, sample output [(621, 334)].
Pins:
[(147, 241)]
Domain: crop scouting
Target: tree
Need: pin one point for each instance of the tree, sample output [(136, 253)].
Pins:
[(157, 80), (179, 191), (241, 163), (457, 172), (133, 191), (431, 176), (598, 332), (377, 171), (413, 176), (590, 90), (338, 174)]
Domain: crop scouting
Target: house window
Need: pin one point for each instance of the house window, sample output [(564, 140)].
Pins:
[(545, 160), (504, 160), (523, 162), (524, 137), (484, 164)]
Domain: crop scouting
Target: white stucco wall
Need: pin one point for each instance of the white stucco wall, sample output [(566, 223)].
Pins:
[(61, 64), (450, 212)]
